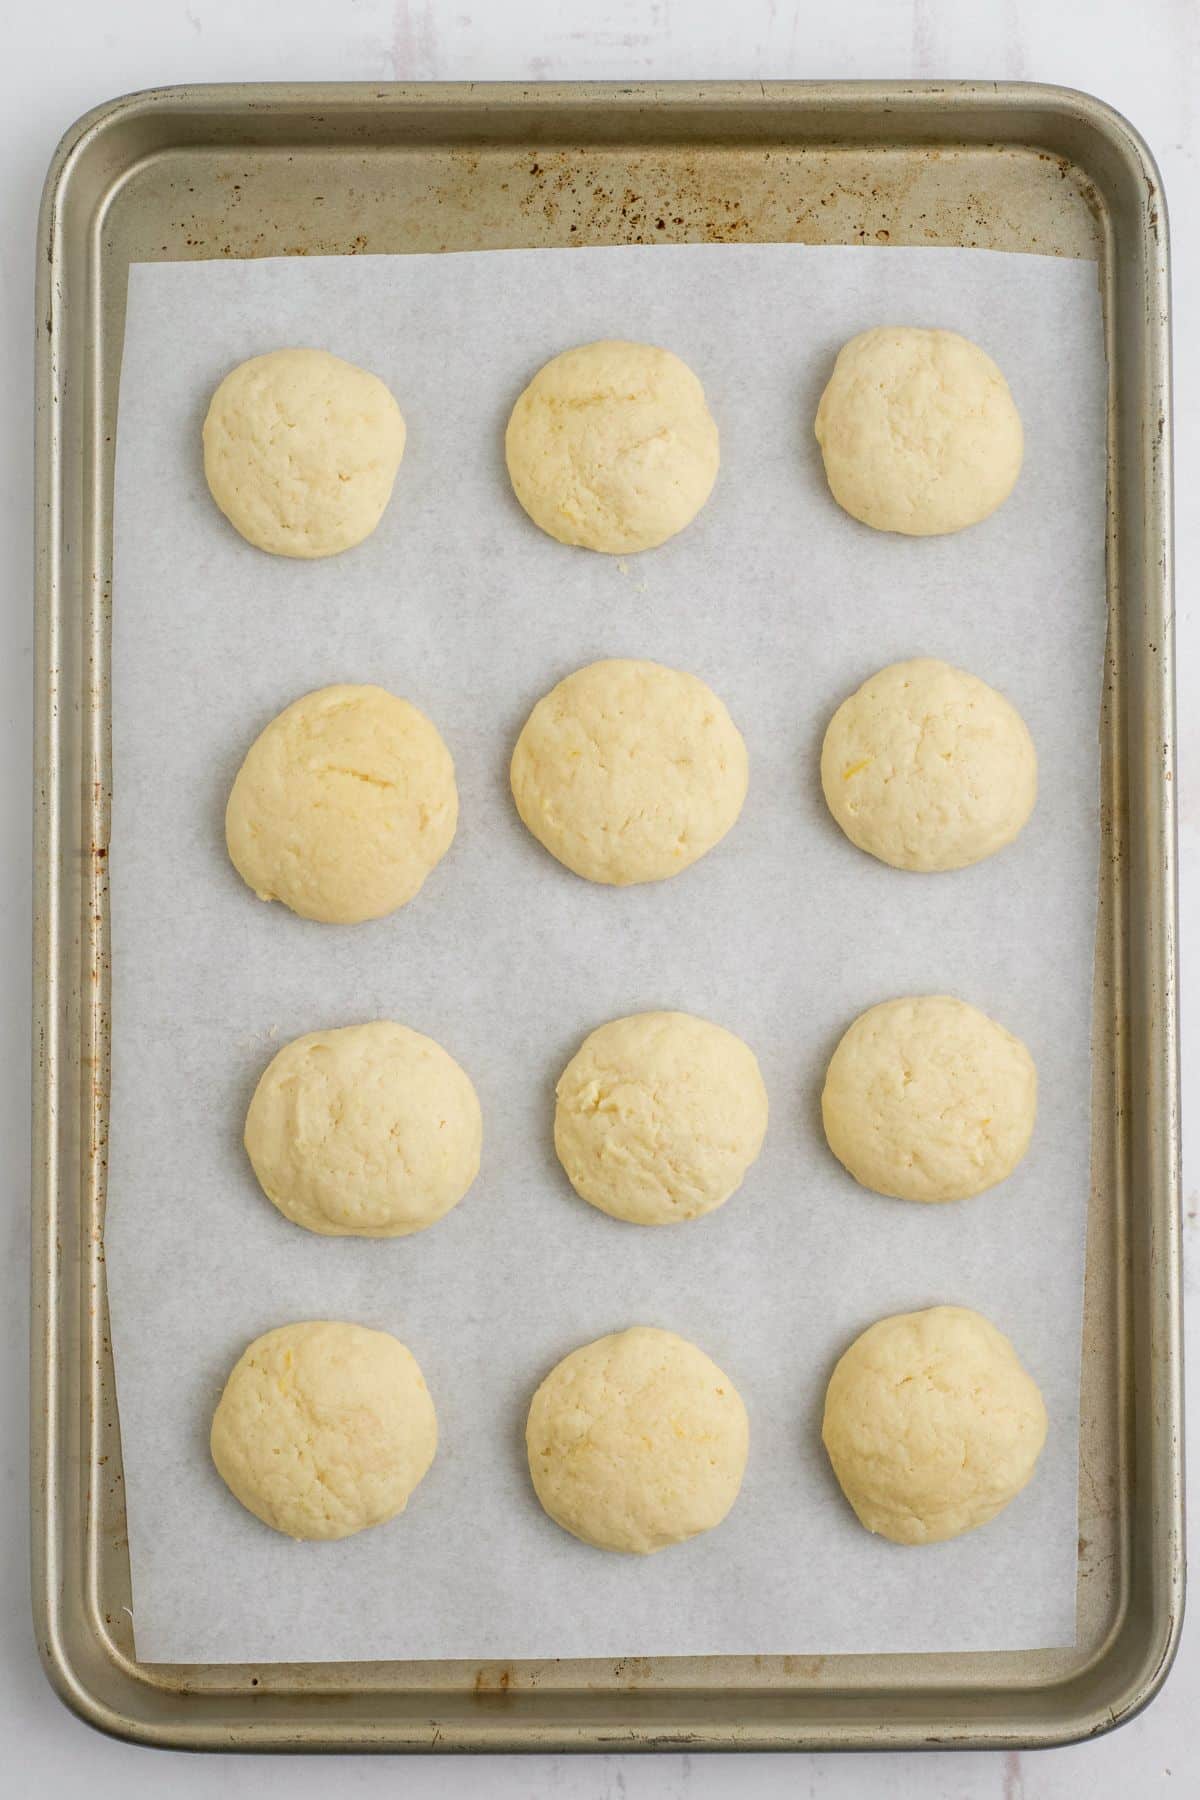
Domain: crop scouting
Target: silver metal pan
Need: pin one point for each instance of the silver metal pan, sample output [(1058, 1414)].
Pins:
[(235, 171)]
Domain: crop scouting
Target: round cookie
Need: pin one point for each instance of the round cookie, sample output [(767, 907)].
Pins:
[(659, 1117), (301, 450), (927, 767), (629, 771), (637, 1441), (932, 1425), (324, 1429), (344, 804), (918, 431), (927, 1098), (367, 1131), (612, 447)]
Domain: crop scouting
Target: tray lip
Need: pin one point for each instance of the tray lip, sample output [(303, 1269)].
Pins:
[(1103, 121), (1102, 126)]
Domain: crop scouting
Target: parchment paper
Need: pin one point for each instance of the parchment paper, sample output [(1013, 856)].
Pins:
[(783, 934)]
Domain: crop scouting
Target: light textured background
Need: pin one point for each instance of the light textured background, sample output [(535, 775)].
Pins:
[(62, 56)]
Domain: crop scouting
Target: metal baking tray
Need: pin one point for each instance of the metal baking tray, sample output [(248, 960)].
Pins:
[(333, 170)]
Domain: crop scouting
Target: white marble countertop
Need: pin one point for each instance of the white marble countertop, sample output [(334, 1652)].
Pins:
[(63, 56)]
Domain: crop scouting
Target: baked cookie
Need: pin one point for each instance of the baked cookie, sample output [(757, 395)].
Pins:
[(344, 804), (659, 1116), (365, 1131), (629, 771), (612, 447), (324, 1429), (918, 431), (932, 1425), (926, 1098), (637, 1441), (927, 767), (301, 450)]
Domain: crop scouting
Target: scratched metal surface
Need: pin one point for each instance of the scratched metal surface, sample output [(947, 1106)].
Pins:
[(261, 171)]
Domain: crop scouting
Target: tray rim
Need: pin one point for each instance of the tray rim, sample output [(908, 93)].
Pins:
[(1122, 158)]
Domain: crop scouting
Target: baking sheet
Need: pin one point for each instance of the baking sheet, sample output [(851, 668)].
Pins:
[(783, 934)]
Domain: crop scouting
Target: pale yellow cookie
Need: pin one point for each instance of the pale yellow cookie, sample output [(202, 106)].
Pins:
[(301, 450), (367, 1131), (628, 771), (612, 447), (926, 1098), (324, 1429), (659, 1117), (344, 804), (927, 767), (637, 1441), (918, 431), (932, 1425)]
